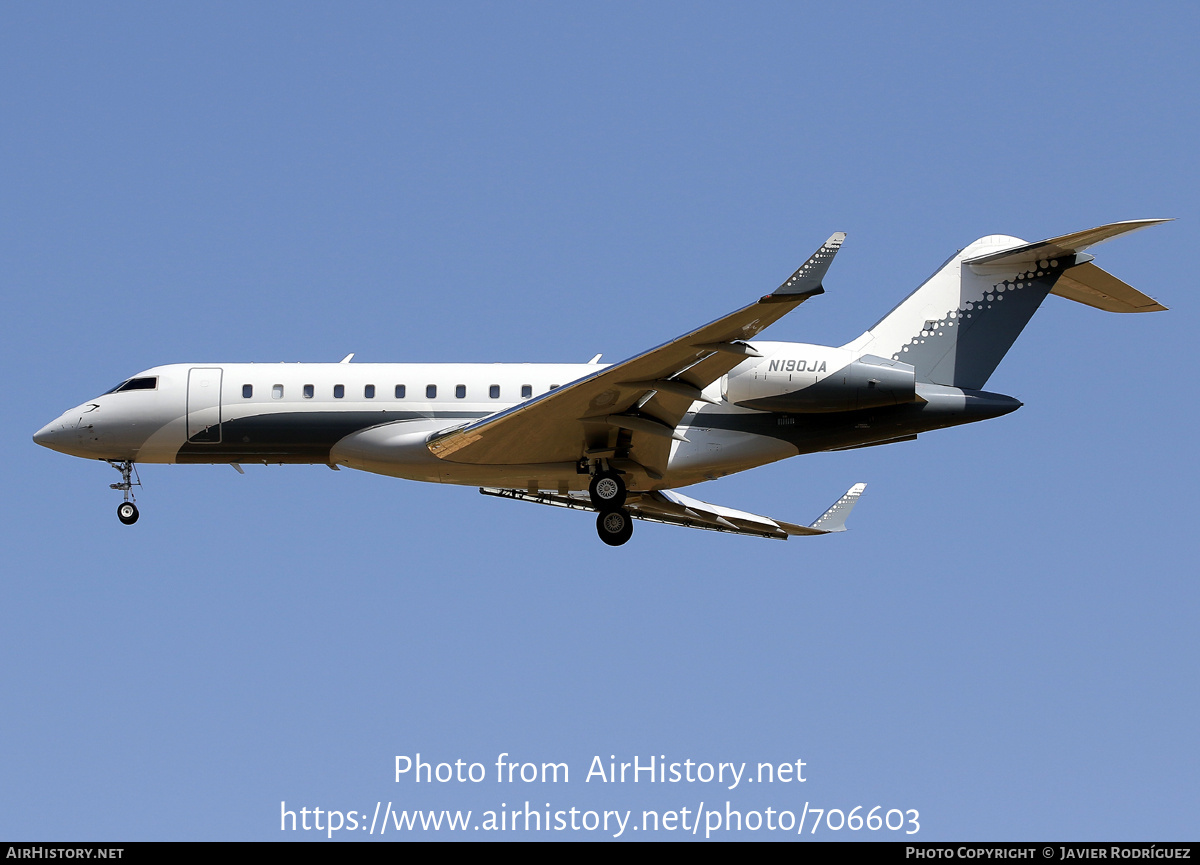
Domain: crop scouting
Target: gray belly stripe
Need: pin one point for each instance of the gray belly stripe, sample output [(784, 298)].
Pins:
[(297, 437)]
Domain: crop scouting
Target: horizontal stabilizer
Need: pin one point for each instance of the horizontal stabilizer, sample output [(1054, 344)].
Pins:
[(1059, 247), (672, 508), (1094, 286)]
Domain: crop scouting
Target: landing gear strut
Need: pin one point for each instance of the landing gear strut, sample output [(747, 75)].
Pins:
[(614, 527), (127, 511)]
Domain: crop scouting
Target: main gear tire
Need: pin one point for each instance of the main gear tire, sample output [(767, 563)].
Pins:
[(614, 527), (607, 490)]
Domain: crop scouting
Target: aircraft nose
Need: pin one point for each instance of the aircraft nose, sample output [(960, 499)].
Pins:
[(44, 436), (52, 435)]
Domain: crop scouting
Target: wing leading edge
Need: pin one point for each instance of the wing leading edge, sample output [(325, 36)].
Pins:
[(629, 411)]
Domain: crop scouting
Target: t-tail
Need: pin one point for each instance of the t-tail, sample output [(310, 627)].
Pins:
[(956, 327)]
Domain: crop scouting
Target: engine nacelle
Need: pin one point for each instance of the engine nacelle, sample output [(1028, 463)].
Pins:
[(797, 378)]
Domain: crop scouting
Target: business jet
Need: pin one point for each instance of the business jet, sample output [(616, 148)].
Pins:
[(619, 440)]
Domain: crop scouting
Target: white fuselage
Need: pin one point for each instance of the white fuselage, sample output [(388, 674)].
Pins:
[(795, 398), (323, 413)]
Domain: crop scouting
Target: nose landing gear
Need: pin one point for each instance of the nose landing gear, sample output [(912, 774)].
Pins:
[(127, 511)]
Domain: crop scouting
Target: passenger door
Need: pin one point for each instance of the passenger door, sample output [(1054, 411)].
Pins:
[(204, 405)]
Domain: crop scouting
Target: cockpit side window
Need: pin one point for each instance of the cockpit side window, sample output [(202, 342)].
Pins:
[(146, 383)]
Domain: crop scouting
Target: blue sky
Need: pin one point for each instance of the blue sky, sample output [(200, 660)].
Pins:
[(1004, 641)]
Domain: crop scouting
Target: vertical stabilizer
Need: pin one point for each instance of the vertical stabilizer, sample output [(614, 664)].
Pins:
[(957, 326)]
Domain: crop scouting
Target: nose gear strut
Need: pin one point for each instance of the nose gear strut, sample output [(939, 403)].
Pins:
[(127, 511)]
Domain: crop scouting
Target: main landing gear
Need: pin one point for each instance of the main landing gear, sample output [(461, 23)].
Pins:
[(127, 511), (607, 491), (614, 527), (613, 523)]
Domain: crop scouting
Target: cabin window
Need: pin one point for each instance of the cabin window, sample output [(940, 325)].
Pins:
[(309, 390), (369, 391), (526, 391), (399, 391), (247, 391), (460, 391), (339, 391), (431, 391), (277, 391), (494, 391)]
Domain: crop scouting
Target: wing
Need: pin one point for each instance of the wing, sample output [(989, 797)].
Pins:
[(629, 411), (666, 506)]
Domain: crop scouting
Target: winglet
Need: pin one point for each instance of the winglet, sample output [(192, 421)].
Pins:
[(807, 280), (834, 519)]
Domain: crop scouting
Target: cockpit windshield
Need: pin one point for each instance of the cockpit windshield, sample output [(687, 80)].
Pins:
[(147, 383)]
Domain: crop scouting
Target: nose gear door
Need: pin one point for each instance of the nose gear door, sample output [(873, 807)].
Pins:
[(204, 405)]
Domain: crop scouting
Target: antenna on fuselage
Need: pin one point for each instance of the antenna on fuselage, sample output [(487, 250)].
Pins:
[(346, 359)]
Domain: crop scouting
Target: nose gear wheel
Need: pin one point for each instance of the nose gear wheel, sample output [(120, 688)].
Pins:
[(127, 513)]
